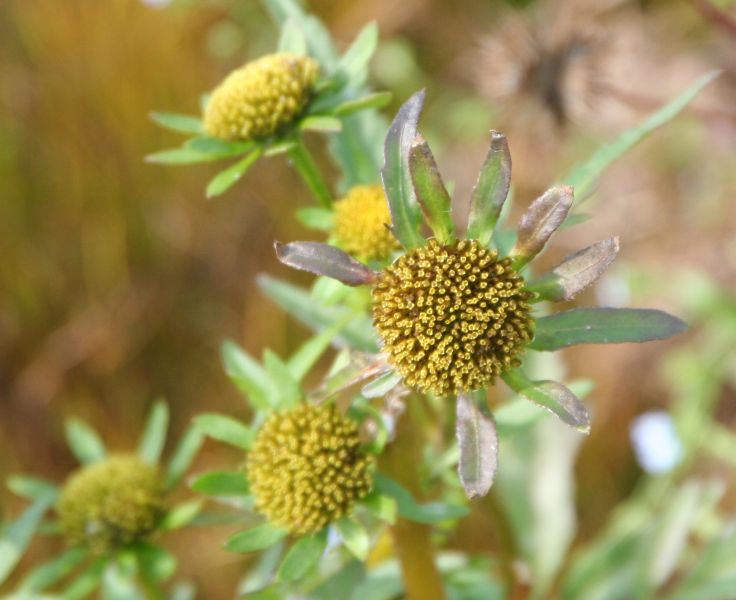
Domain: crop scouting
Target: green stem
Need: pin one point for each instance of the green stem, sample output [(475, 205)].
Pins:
[(412, 541), (310, 173)]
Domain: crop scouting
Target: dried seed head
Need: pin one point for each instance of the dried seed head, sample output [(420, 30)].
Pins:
[(452, 318), (361, 220), (261, 98), (111, 503), (306, 468)]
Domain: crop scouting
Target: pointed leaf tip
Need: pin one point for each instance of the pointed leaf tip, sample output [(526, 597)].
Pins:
[(430, 191), (323, 259), (395, 172), (491, 190), (540, 221), (577, 271), (478, 442)]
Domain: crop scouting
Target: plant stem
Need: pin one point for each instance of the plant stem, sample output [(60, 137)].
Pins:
[(412, 541), (310, 173)]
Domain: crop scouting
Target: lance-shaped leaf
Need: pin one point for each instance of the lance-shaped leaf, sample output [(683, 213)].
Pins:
[(604, 326), (539, 222), (576, 272), (478, 442), (323, 259), (552, 396), (430, 191), (490, 191), (395, 172)]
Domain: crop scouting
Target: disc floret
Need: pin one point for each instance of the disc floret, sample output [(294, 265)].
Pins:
[(306, 468), (261, 98), (452, 317), (362, 220), (111, 503)]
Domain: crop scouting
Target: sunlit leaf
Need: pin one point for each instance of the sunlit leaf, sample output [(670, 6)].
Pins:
[(408, 508), (310, 351), (86, 582), (384, 507), (375, 100), (84, 443), (225, 429), (181, 515), (53, 571), (584, 176), (154, 435), (292, 38), (603, 326), (395, 172), (353, 65), (183, 456), (258, 538), (156, 563), (222, 483), (478, 443), (552, 396), (359, 332), (224, 180), (287, 387), (302, 556), (430, 191), (326, 260), (246, 373), (178, 122), (490, 191), (181, 156), (355, 537), (314, 217), (29, 487), (217, 147), (324, 123)]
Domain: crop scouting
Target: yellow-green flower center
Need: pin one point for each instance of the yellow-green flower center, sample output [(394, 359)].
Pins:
[(259, 99), (452, 317), (361, 228), (111, 503), (306, 468)]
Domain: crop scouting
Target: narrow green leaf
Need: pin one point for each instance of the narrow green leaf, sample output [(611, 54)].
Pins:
[(178, 122), (84, 443), (183, 456), (86, 582), (53, 571), (289, 392), (279, 147), (584, 176), (224, 180), (154, 435), (408, 508), (478, 443), (225, 429), (375, 100), (222, 483), (326, 123), (17, 535), (382, 385), (119, 584), (255, 539), (355, 537), (301, 159), (430, 191), (603, 326), (156, 563), (217, 147), (302, 556), (552, 396), (292, 38), (314, 217), (490, 191), (310, 352), (31, 488), (395, 172), (249, 376), (358, 334), (353, 65), (384, 507), (181, 515), (181, 156)]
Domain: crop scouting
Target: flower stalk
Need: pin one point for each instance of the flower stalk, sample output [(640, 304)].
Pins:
[(303, 162)]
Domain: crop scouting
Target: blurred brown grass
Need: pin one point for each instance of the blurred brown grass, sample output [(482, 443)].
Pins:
[(118, 281)]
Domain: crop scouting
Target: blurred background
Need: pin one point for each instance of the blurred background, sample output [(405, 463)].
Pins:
[(118, 280)]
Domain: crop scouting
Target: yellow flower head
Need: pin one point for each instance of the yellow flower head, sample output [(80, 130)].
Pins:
[(306, 468), (361, 228), (262, 97), (452, 317), (113, 502)]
